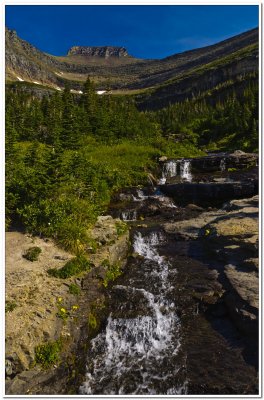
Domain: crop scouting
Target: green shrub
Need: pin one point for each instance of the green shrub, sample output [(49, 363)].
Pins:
[(73, 267), (10, 306), (72, 236), (92, 321), (74, 289), (112, 273), (121, 228), (32, 254), (48, 354)]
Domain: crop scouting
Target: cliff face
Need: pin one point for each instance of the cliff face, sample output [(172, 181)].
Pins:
[(25, 62), (102, 51)]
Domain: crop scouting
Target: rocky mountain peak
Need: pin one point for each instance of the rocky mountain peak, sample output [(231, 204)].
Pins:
[(101, 51)]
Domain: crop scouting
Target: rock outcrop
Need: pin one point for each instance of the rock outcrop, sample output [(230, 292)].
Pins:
[(206, 194), (213, 179), (100, 51), (230, 237), (234, 240), (238, 159)]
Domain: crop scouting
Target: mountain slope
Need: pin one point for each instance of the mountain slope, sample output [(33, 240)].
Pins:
[(157, 82)]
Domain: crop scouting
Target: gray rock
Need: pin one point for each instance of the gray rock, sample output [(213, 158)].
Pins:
[(98, 51), (246, 284), (8, 367), (205, 194)]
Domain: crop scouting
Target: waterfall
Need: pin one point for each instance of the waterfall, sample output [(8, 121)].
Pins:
[(129, 215), (138, 355), (185, 170), (140, 196), (170, 169), (222, 165)]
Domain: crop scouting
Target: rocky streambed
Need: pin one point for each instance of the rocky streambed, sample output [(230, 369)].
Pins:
[(183, 317)]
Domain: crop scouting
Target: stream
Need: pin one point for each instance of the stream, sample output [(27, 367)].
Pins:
[(158, 339)]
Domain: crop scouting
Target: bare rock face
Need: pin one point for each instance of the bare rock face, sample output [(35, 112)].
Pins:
[(102, 51)]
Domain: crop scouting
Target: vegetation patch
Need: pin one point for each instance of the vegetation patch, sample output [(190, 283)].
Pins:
[(10, 306), (32, 254), (73, 267), (92, 321), (113, 272), (74, 289), (121, 228), (48, 354), (62, 313)]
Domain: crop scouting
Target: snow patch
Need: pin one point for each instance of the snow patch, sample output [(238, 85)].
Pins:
[(37, 83), (20, 79), (100, 91)]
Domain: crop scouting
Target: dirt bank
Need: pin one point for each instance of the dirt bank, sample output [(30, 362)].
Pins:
[(42, 309)]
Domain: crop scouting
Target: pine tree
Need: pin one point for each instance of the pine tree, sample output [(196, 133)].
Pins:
[(69, 133)]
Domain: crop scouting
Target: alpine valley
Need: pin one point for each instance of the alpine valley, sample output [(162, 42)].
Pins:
[(132, 220)]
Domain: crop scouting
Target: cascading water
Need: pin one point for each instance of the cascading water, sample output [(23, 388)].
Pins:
[(222, 165), (129, 215), (170, 169), (185, 169), (140, 196), (139, 354)]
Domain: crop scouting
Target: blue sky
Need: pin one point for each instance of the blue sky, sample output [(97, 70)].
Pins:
[(146, 31)]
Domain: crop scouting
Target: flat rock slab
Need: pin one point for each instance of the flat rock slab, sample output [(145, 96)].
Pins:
[(204, 194), (246, 284)]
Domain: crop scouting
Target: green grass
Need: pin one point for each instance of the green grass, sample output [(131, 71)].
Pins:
[(48, 354), (121, 228), (74, 289), (32, 254), (73, 267), (113, 272), (10, 306)]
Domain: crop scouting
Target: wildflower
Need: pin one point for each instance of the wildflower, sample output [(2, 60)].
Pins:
[(62, 310), (75, 307), (59, 299)]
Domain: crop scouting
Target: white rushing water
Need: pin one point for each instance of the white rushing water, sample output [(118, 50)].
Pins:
[(137, 355), (222, 165), (129, 215), (185, 168), (176, 167), (140, 196)]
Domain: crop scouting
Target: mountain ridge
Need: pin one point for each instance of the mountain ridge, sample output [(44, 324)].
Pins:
[(114, 68)]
